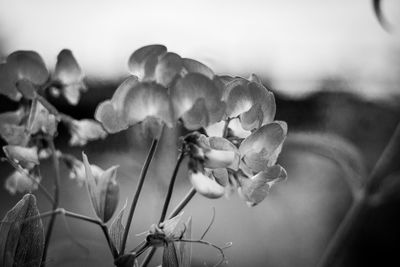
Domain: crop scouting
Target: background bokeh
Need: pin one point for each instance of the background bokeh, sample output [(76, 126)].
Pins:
[(333, 70)]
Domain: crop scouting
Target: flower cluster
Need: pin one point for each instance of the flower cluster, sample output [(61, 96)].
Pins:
[(24, 78), (243, 141)]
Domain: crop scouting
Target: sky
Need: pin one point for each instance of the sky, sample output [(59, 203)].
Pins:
[(293, 43)]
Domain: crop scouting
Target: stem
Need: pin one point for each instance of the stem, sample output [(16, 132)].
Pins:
[(171, 186), (183, 203), (225, 130), (56, 198), (360, 205), (143, 173)]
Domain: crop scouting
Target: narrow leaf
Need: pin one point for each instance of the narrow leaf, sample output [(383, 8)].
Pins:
[(117, 228), (22, 243), (170, 257), (185, 248)]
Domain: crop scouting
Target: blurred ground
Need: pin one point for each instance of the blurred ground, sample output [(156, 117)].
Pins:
[(290, 228)]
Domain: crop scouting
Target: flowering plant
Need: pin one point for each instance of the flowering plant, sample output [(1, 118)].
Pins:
[(232, 144)]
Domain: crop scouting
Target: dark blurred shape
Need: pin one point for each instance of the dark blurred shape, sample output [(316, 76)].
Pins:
[(377, 5)]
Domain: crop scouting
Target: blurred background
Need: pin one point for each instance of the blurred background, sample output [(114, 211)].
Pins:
[(333, 70)]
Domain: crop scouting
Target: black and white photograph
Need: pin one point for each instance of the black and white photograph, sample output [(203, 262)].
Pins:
[(185, 133)]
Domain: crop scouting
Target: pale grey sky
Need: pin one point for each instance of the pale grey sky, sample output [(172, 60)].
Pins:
[(295, 43)]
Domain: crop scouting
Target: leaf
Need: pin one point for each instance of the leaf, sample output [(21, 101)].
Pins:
[(117, 228), (340, 151), (103, 189), (170, 256), (22, 243), (255, 189), (170, 227), (185, 248)]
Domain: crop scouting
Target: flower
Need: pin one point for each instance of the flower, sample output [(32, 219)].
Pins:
[(26, 157), (69, 77), (209, 160), (165, 88), (258, 156), (85, 130), (21, 65), (21, 181)]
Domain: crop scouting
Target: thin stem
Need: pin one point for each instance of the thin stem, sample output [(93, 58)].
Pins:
[(143, 173), (225, 130), (57, 179), (42, 189), (171, 186), (148, 257), (183, 203)]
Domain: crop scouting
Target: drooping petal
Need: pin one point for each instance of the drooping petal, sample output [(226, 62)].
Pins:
[(26, 88), (28, 65), (255, 189), (27, 157), (257, 150), (205, 185), (142, 63)]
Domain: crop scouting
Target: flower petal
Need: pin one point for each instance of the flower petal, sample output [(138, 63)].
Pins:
[(110, 112), (20, 182), (219, 143), (14, 134), (85, 130), (67, 70), (194, 66), (257, 150), (7, 83), (26, 88), (188, 90), (147, 100), (28, 65), (167, 69), (255, 189), (142, 63), (205, 185), (27, 157)]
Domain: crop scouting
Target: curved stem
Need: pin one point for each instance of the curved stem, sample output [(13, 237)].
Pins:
[(57, 179), (171, 186), (143, 173), (225, 130), (356, 213)]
